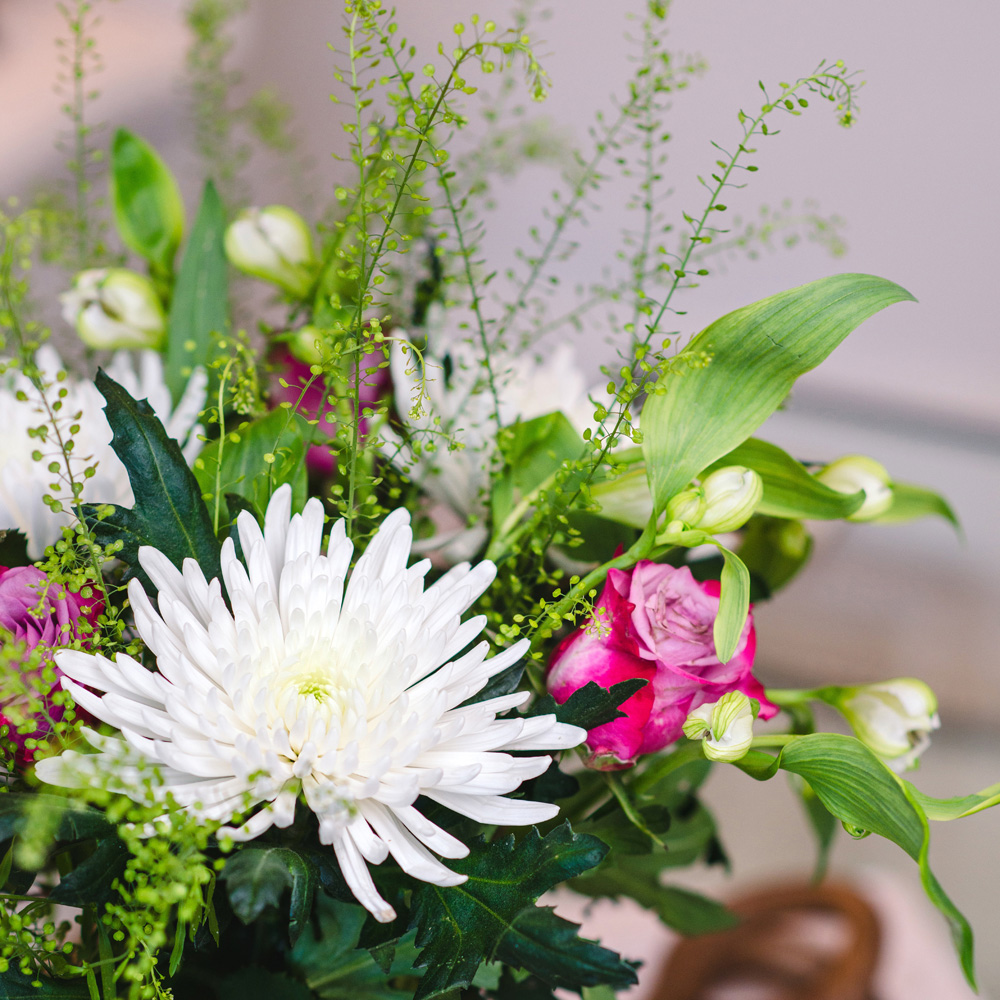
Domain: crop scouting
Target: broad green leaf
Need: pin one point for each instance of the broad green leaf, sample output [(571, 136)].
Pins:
[(734, 605), (754, 355), (459, 927), (858, 788), (911, 502), (959, 806), (789, 488), (534, 450), (257, 458), (333, 967), (199, 310), (149, 212), (90, 881), (626, 497), (257, 877), (168, 513), (68, 819), (15, 986)]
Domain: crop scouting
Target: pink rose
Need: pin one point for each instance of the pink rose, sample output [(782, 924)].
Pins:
[(655, 622), (41, 615), (314, 403)]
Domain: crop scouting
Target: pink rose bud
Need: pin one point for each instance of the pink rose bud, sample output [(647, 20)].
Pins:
[(654, 622), (41, 615)]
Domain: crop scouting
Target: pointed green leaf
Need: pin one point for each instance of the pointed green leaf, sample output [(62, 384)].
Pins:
[(911, 502), (591, 705), (168, 513), (459, 927), (199, 310), (90, 881), (754, 355), (149, 212), (789, 488), (734, 605)]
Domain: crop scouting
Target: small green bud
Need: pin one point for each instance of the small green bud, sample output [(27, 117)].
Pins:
[(274, 244), (114, 308), (859, 472), (726, 726), (688, 507), (731, 496)]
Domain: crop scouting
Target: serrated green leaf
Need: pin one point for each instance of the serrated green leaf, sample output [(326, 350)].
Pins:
[(754, 356), (459, 927), (168, 513), (790, 490), (912, 502), (591, 705), (199, 310), (257, 877), (148, 209), (858, 788), (245, 470), (90, 881)]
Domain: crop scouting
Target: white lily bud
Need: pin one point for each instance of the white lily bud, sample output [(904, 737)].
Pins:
[(113, 308), (726, 726), (731, 496), (274, 244), (688, 507), (893, 718), (859, 472)]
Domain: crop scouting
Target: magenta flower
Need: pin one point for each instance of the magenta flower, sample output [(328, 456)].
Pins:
[(314, 404), (654, 622), (41, 615)]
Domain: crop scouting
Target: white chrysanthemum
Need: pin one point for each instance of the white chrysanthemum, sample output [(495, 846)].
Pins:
[(24, 482), (458, 406), (346, 692)]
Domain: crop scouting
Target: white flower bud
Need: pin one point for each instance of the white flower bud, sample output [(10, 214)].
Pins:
[(275, 244), (893, 718), (726, 726), (731, 496), (688, 507), (859, 472), (112, 308)]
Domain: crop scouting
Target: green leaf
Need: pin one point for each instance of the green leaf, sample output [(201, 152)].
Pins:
[(754, 356), (625, 498), (169, 513), (774, 550), (90, 881), (334, 968), (824, 825), (245, 469), (15, 986), (199, 310), (734, 605), (149, 212), (790, 490), (461, 926), (591, 705), (257, 877), (912, 502), (69, 819), (857, 788)]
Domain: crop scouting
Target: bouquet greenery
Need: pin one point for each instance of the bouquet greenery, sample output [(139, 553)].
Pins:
[(341, 625)]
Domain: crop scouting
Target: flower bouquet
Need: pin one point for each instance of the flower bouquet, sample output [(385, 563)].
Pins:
[(345, 621)]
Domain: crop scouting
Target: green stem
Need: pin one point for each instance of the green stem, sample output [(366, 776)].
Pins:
[(777, 740), (665, 765)]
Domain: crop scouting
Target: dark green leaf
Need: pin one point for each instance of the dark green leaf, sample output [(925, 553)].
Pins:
[(90, 881), (754, 355), (15, 986), (147, 203), (789, 488), (199, 310), (549, 946), (461, 926), (169, 513), (499, 684), (257, 877), (245, 470), (70, 820), (591, 705)]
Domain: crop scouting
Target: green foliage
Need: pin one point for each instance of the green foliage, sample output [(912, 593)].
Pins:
[(493, 915), (199, 309), (149, 212), (774, 550), (591, 705), (911, 502), (257, 877), (169, 513), (16, 986)]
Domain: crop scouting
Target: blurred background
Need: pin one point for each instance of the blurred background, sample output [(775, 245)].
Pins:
[(915, 387)]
